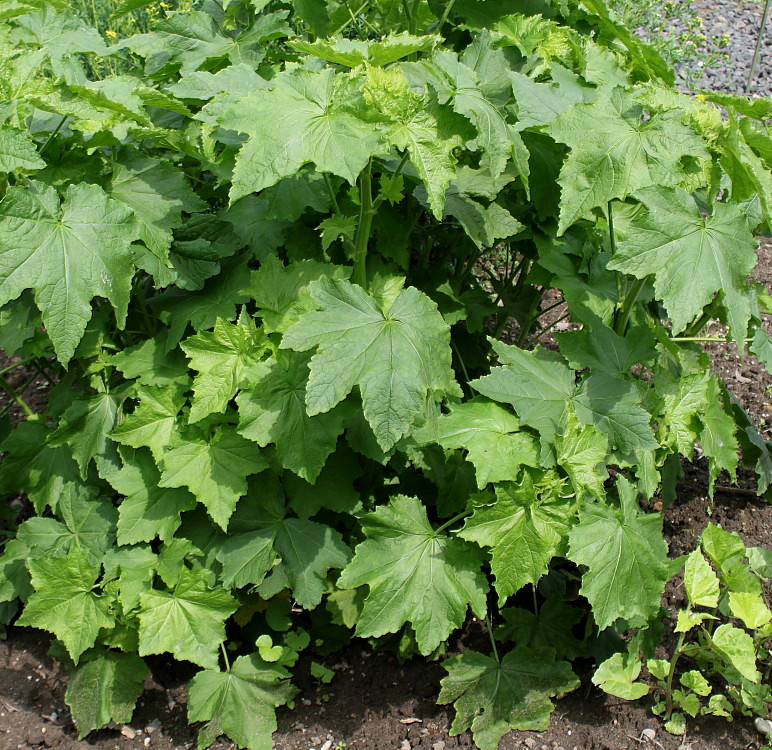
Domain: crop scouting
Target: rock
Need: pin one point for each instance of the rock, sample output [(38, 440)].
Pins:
[(326, 746), (128, 732), (439, 745), (648, 734), (153, 726), (405, 745), (762, 725), (530, 742)]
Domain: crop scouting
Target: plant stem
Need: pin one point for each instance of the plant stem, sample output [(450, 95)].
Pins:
[(51, 137), (460, 362), (533, 340), (698, 325), (455, 518), (13, 367), (493, 640), (331, 191), (627, 306), (757, 51), (363, 228), (685, 339), (225, 657), (6, 386), (611, 235), (354, 16), (446, 13), (671, 675)]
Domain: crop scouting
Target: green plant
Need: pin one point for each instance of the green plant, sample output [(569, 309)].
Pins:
[(729, 663), (259, 269)]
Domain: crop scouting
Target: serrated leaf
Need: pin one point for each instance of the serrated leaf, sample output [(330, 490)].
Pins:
[(537, 383), (583, 452), (214, 469), (491, 697), (616, 676), (352, 52), (691, 256), (523, 528), (17, 151), (153, 424), (240, 702), (397, 356), (717, 438), (105, 689), (317, 117), (619, 545), (187, 622), (67, 254), (152, 364), (428, 131), (762, 347), (491, 436), (147, 510), (700, 581), (610, 140), (273, 410), (293, 553), (224, 358), (414, 575), (549, 627), (64, 602)]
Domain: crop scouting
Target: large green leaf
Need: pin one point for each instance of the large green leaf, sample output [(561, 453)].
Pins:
[(619, 545), (240, 702), (67, 254), (691, 256), (187, 622), (397, 355), (414, 575), (615, 151), (17, 151), (491, 697), (65, 603)]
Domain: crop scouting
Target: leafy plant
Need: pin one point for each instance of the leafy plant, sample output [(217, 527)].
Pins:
[(259, 265), (731, 657)]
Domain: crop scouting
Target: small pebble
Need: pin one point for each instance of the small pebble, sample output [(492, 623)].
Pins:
[(530, 742), (764, 726), (146, 742), (648, 734), (439, 745), (405, 745), (326, 746), (128, 732)]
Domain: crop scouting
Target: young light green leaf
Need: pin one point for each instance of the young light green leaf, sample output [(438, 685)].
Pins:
[(64, 602), (735, 646), (523, 528), (225, 358), (491, 436), (105, 689), (700, 581), (691, 256), (187, 622), (352, 52), (616, 676), (491, 697), (240, 702), (750, 608), (214, 469), (414, 575), (273, 410), (67, 254), (397, 356), (610, 140), (619, 545)]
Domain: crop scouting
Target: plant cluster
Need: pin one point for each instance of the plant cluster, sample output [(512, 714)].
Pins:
[(265, 267)]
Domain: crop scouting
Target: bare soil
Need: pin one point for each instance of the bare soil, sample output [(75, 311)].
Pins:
[(376, 703)]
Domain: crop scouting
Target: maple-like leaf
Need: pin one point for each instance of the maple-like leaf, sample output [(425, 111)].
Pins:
[(240, 702), (491, 697), (397, 355), (414, 575), (67, 254), (427, 130), (147, 511), (188, 622), (104, 689), (523, 528), (691, 256), (581, 450), (353, 52), (619, 545), (214, 469), (224, 358), (316, 117), (17, 151), (64, 602), (152, 364), (615, 151), (273, 410), (293, 552)]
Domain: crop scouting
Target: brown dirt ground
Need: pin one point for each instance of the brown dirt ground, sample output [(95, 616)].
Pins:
[(376, 703)]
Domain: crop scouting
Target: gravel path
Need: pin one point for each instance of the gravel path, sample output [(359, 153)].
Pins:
[(740, 21)]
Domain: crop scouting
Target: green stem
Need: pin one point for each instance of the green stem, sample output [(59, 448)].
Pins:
[(225, 657), (671, 675), (757, 51), (408, 17), (455, 518), (460, 362), (331, 191), (446, 13), (685, 339), (530, 318), (363, 228), (353, 18), (533, 340), (627, 306), (612, 237), (698, 325), (6, 386), (493, 640), (51, 137), (13, 367)]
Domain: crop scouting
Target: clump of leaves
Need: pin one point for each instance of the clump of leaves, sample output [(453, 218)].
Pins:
[(258, 249), (723, 638)]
